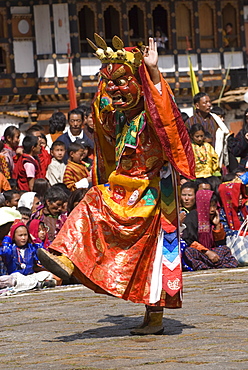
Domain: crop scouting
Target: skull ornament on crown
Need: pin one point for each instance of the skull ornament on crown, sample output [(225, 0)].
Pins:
[(119, 72)]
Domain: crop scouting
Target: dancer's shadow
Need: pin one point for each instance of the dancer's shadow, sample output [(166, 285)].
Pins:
[(121, 328)]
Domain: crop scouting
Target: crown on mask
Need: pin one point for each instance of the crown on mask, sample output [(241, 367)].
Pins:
[(107, 55)]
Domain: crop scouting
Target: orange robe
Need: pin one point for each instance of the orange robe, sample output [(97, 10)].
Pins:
[(112, 235), (4, 184)]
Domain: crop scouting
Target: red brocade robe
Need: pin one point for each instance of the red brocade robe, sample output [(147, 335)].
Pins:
[(112, 236)]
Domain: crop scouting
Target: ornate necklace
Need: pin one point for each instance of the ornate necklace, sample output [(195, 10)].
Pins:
[(202, 157)]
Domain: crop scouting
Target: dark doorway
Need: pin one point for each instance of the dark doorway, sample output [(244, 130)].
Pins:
[(86, 27)]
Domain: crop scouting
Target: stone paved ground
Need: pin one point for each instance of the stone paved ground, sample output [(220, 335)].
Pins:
[(71, 328)]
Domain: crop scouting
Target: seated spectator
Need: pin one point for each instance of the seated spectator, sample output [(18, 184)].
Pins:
[(234, 210), (30, 200), (56, 169), (75, 197), (20, 257), (40, 188), (188, 191), (13, 184), (206, 159), (25, 213), (214, 182), (208, 138), (203, 184), (38, 231), (230, 177), (183, 179), (76, 174), (11, 198), (205, 236), (63, 187), (18, 251), (7, 216), (2, 200), (239, 170), (27, 168), (51, 213)]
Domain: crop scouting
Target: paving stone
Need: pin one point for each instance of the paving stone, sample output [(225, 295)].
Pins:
[(72, 328)]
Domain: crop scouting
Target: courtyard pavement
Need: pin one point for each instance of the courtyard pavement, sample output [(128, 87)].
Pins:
[(72, 328)]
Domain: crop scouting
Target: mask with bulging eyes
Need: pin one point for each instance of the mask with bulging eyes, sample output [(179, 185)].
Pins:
[(122, 86)]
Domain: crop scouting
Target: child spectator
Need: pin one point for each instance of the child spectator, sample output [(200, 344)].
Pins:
[(7, 216), (219, 111), (11, 142), (40, 188), (2, 200), (56, 169), (75, 197), (76, 174), (51, 213), (13, 184), (11, 198), (38, 231), (57, 123), (25, 213), (43, 140), (208, 138), (88, 124), (206, 159), (29, 199), (19, 254), (18, 251), (27, 167), (44, 156), (4, 168), (86, 159)]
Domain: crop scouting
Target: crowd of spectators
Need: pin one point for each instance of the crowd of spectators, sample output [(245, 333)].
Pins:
[(44, 177)]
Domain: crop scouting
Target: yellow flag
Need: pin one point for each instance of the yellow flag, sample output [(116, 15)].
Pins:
[(193, 81)]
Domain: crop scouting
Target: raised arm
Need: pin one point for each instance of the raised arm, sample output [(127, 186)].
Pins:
[(151, 61)]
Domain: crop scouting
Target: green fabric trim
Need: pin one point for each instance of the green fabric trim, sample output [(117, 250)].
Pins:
[(127, 132)]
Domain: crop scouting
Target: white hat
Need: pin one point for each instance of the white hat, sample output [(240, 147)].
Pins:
[(27, 200), (8, 214)]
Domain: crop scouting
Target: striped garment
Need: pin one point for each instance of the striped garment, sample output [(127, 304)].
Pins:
[(73, 173)]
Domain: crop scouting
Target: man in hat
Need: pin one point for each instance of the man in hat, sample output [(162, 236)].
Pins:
[(119, 240)]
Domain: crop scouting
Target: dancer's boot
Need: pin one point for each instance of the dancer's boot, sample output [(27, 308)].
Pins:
[(152, 324), (60, 266)]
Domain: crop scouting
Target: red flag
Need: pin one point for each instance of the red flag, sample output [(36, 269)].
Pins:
[(71, 89)]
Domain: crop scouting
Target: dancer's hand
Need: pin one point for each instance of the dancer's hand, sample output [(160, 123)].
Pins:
[(151, 60)]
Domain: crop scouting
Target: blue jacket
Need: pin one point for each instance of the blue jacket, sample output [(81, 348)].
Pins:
[(13, 260), (67, 141)]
